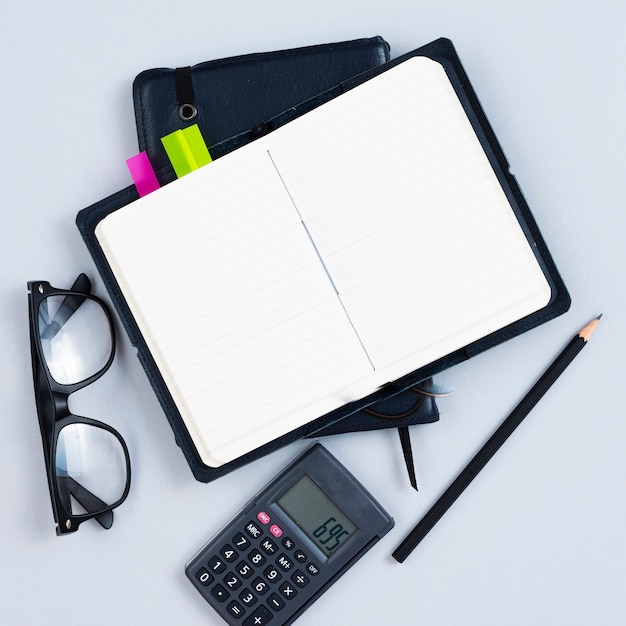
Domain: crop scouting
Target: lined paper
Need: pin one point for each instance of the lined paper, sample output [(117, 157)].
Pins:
[(345, 249), (410, 218), (229, 290)]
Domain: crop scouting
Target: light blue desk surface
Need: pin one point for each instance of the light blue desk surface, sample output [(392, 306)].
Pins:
[(539, 537)]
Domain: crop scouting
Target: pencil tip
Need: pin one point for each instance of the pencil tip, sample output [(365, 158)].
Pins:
[(585, 333)]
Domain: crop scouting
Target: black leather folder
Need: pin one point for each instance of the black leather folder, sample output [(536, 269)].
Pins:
[(232, 96)]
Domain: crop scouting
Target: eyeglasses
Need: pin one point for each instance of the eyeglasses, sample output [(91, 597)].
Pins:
[(72, 345)]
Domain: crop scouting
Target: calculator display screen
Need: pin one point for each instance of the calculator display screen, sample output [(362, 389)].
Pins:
[(311, 509)]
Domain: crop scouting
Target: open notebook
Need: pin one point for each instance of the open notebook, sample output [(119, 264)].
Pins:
[(361, 247), (346, 249)]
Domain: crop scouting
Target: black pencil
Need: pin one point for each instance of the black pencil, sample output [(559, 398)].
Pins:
[(494, 442)]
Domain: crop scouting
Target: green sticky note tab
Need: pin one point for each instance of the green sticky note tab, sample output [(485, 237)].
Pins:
[(186, 150), (178, 153), (197, 146)]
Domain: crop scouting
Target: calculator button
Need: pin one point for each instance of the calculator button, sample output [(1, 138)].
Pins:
[(300, 579), (276, 530), (269, 546), (216, 564), (284, 562), (256, 558), (300, 556), (288, 543), (272, 574), (253, 530), (235, 609), (260, 586), (232, 582), (229, 553), (219, 593), (204, 577), (244, 570), (247, 597), (275, 602), (312, 569), (288, 590), (241, 541), (263, 517), (259, 617)]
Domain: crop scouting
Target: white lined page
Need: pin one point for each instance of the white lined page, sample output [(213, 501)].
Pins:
[(409, 219), (235, 306)]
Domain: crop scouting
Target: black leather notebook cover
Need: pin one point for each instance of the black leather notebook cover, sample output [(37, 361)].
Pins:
[(442, 51), (234, 95)]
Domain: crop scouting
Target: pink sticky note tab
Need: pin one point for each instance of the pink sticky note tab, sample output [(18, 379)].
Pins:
[(142, 173)]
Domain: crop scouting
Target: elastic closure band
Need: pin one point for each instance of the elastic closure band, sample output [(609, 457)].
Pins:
[(187, 110)]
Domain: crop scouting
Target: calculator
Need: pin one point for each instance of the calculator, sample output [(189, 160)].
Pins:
[(289, 544)]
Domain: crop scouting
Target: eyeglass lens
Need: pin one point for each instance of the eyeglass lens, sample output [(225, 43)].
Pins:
[(90, 468), (75, 337), (76, 342)]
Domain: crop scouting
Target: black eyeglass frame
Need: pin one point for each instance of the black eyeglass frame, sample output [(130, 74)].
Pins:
[(53, 409)]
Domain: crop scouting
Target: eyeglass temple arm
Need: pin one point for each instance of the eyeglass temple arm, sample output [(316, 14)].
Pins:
[(85, 498), (68, 307), (82, 284)]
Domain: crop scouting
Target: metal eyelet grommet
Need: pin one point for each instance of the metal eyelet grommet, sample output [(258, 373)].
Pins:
[(187, 112)]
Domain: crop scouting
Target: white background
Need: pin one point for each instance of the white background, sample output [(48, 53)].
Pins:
[(538, 538)]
